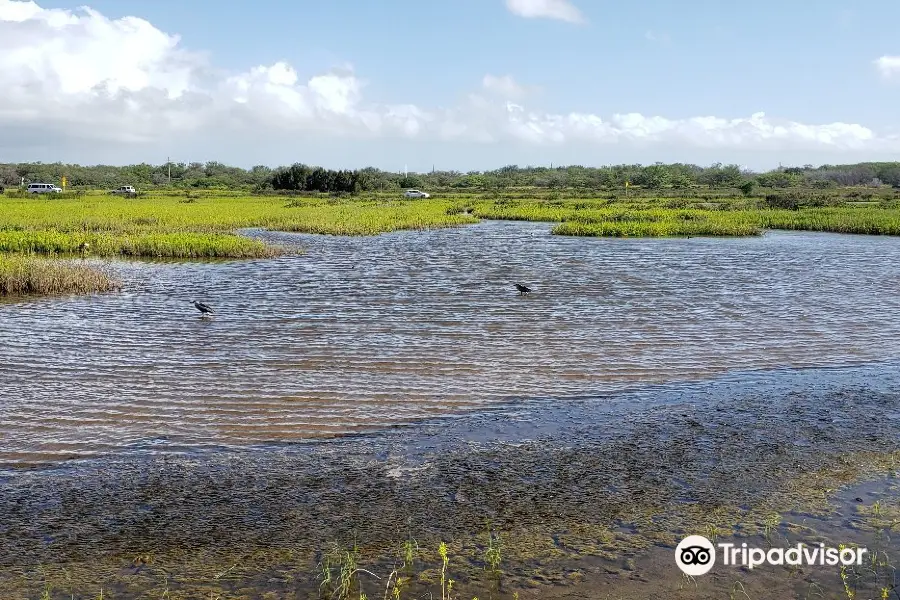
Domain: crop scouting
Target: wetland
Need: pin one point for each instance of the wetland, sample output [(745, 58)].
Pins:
[(356, 401)]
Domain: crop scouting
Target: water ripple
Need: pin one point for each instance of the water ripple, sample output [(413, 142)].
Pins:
[(360, 334)]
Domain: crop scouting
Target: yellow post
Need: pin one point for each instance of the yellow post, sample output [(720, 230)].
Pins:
[(64, 182)]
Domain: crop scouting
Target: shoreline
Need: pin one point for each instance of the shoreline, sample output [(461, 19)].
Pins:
[(560, 483)]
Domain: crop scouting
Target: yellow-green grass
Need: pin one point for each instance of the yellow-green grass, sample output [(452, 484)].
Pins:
[(201, 227), (30, 275), (174, 245), (638, 220), (205, 227), (650, 218), (862, 220), (655, 229)]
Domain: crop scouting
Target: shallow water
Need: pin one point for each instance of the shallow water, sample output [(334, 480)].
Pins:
[(363, 333), (552, 477)]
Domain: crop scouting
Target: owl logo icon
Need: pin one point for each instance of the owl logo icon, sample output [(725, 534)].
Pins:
[(695, 555)]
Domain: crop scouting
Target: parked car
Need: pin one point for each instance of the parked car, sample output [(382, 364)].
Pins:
[(416, 194), (43, 188), (125, 189)]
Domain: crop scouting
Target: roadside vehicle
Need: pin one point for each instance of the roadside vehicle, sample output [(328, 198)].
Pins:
[(43, 188)]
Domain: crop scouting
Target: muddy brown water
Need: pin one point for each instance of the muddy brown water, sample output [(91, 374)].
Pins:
[(647, 388), (365, 333)]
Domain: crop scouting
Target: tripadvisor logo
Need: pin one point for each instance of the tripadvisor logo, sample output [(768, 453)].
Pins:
[(696, 555)]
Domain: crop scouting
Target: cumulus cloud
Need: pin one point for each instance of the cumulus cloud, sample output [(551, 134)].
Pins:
[(561, 10), (82, 78), (888, 66)]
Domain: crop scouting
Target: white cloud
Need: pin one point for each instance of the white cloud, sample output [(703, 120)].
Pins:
[(888, 66), (81, 79), (562, 10)]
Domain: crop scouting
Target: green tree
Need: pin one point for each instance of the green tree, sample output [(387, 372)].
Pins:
[(721, 176), (654, 177), (410, 181), (681, 181), (889, 174)]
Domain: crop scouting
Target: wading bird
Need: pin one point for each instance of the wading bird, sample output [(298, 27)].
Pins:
[(84, 248), (206, 310), (522, 289)]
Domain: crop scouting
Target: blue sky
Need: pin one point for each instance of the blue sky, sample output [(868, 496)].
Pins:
[(812, 65)]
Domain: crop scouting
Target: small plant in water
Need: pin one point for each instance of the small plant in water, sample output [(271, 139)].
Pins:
[(713, 532), (770, 525), (685, 580), (397, 582), (492, 559), (346, 565), (738, 590), (845, 578), (814, 587), (492, 554), (445, 590)]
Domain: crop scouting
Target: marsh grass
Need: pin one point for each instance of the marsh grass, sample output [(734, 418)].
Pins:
[(860, 220), (640, 219), (169, 245), (205, 225), (168, 226), (29, 275), (649, 217)]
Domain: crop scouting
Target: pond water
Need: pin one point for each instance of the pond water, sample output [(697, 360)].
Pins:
[(360, 334)]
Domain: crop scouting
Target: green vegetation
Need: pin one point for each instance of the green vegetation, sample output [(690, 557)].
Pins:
[(201, 228), (599, 219), (185, 245), (27, 275), (648, 217), (862, 220), (298, 177), (201, 213), (206, 225)]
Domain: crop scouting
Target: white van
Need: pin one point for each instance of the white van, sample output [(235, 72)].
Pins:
[(43, 188)]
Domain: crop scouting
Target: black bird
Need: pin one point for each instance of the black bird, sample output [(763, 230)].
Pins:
[(206, 310), (522, 289)]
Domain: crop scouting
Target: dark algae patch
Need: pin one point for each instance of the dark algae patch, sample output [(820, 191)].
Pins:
[(579, 498)]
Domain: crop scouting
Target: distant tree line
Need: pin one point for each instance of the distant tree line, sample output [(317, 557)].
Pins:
[(300, 177)]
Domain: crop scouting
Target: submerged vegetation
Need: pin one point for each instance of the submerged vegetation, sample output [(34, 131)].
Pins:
[(28, 275), (521, 559)]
